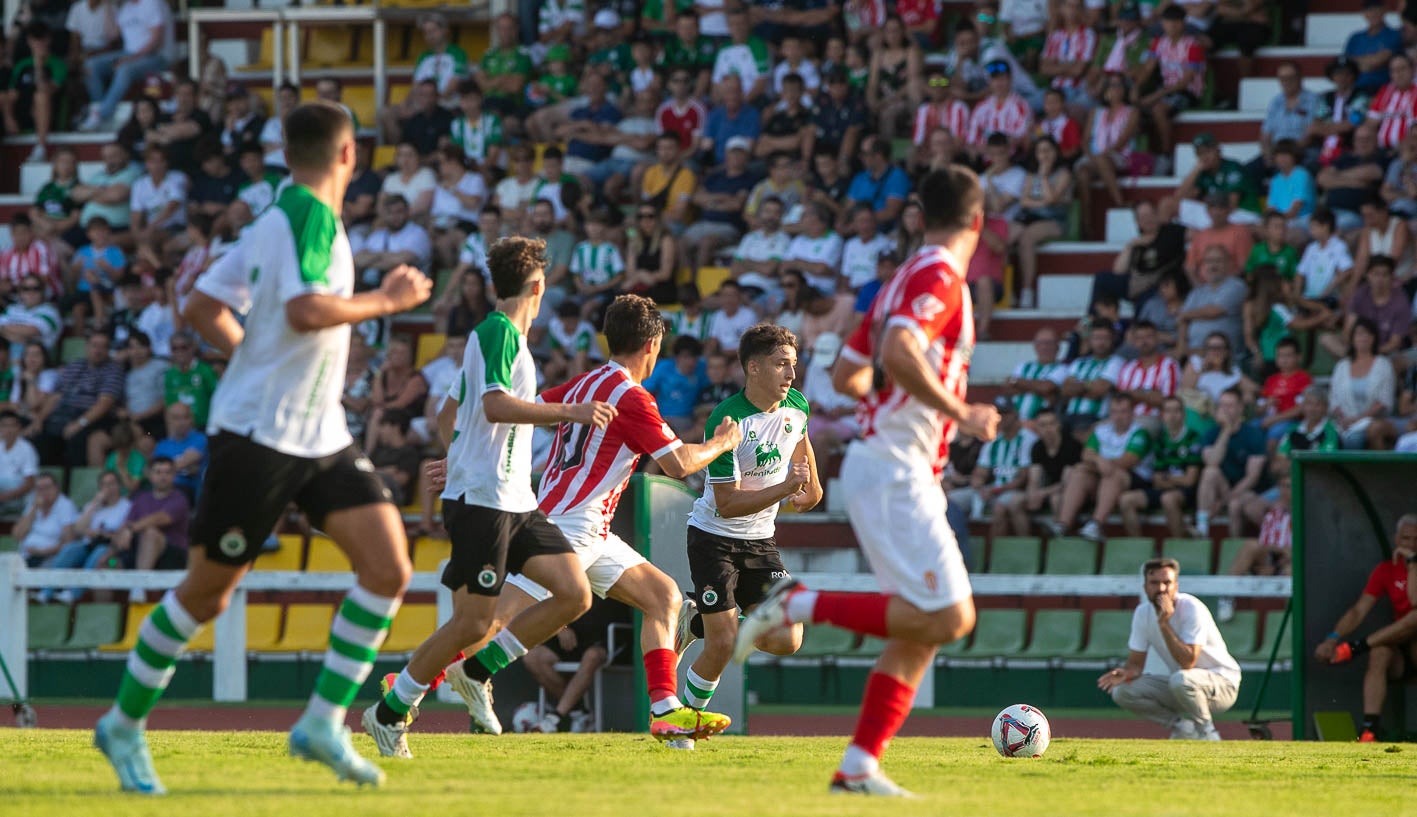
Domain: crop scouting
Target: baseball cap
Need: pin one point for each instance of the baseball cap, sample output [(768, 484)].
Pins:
[(739, 143), (607, 18), (1004, 405), (1173, 12), (1205, 139), (560, 52)]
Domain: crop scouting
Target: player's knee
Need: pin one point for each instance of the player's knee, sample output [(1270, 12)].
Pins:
[(572, 594), (1180, 682), (783, 642), (594, 657), (950, 625), (1379, 657), (388, 577)]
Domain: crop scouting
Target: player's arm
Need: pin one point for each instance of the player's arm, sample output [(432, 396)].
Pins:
[(684, 460), (1185, 654), (502, 407), (851, 377), (811, 493), (1347, 623), (904, 361), (214, 321), (801, 486), (1125, 674), (402, 289)]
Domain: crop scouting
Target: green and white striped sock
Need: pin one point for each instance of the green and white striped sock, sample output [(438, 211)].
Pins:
[(162, 635), (698, 690), (359, 628)]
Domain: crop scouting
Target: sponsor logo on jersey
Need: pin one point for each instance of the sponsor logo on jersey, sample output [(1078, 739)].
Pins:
[(767, 454), (926, 306)]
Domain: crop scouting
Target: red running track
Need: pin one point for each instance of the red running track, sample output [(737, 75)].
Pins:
[(452, 721)]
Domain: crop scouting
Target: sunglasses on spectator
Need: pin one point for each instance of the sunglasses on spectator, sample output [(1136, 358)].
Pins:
[(995, 69), (939, 82)]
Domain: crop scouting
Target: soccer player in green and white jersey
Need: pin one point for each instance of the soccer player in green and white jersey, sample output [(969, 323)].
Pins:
[(278, 436), (489, 506), (733, 558)]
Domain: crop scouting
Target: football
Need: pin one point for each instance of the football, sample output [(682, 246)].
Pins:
[(1021, 731), (525, 717)]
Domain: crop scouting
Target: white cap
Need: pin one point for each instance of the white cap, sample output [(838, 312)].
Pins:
[(739, 143), (607, 18), (825, 349)]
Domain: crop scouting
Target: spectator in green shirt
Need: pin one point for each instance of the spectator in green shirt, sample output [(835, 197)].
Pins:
[(54, 212), (1176, 449), (1273, 250), (1212, 173), (35, 82), (504, 70), (189, 380)]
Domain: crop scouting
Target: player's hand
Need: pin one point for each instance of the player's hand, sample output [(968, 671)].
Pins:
[(594, 413), (435, 474), (981, 421), (798, 476), (406, 287), (1324, 652), (1165, 607), (1112, 679), (567, 639), (729, 432), (1400, 555)]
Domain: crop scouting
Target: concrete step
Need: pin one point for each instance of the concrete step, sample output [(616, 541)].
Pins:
[(1333, 30), (1227, 126)]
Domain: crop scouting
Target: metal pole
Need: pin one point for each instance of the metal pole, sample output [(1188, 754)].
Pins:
[(194, 48), (294, 51), (278, 59), (381, 59), (14, 611), (229, 657)]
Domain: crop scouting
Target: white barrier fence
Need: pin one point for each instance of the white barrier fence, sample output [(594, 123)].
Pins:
[(229, 657)]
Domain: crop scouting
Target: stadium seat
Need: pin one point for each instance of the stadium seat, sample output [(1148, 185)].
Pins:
[(326, 557), (1071, 556), (711, 278), (292, 548), (429, 345), (1124, 556), (413, 624), (328, 46), (819, 641), (48, 626), (1107, 637), (94, 625), (429, 553), (1272, 621), (604, 344), (997, 634), (262, 626), (1056, 634), (383, 157), (266, 58), (1241, 632), (71, 349), (307, 628), (83, 485), (1193, 554), (360, 99), (1015, 555), (474, 38), (1229, 549), (132, 621)]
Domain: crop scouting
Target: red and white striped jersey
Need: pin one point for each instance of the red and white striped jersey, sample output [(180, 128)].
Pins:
[(1077, 45), (1107, 129), (1394, 109), (870, 14), (686, 123), (952, 116), (1011, 116), (1175, 58), (1064, 131), (589, 467), (928, 297), (1276, 531), (1162, 376), (38, 260)]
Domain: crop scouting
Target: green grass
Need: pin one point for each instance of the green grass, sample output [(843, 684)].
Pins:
[(211, 774)]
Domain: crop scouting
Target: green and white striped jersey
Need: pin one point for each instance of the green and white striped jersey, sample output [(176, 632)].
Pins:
[(1028, 405), (489, 464), (1006, 457), (681, 323), (597, 264), (760, 461), (475, 137), (1088, 369)]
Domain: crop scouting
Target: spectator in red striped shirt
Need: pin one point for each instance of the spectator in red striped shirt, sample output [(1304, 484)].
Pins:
[(944, 111), (1002, 111), (1180, 61), (1149, 379), (27, 256), (1068, 53), (1395, 106)]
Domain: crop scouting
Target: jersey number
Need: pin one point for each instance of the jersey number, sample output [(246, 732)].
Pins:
[(574, 452)]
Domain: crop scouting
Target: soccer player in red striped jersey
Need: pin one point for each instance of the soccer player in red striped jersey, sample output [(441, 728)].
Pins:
[(585, 475), (908, 363)]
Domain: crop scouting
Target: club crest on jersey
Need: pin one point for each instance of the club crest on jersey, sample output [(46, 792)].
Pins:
[(926, 306), (787, 426), (487, 577), (767, 454), (232, 543)]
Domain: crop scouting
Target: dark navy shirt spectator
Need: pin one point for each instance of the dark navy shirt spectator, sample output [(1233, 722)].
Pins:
[(732, 119), (725, 181), (839, 116), (597, 115), (1372, 46), (430, 121), (880, 185)]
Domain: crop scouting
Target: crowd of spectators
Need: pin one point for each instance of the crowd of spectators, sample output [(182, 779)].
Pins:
[(768, 151)]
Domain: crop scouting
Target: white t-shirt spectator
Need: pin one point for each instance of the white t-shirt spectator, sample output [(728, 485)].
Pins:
[(440, 374), (712, 21), (273, 133), (1025, 17), (1321, 263), (137, 19), (825, 249), (1192, 623), (156, 322), (447, 209), (150, 197), (811, 78), (412, 238), (858, 258), (514, 195), (48, 529), (17, 463), (761, 246), (727, 329), (90, 25), (422, 181)]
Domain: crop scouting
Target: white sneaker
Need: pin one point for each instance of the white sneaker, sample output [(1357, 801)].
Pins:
[(1207, 731), (683, 636), (1092, 531), (1026, 299), (1224, 609), (1203, 527), (683, 744), (127, 749), (65, 597), (328, 743), (39, 154), (478, 697), (875, 784), (1053, 528), (548, 725), (1183, 729), (91, 120), (768, 616), (391, 740)]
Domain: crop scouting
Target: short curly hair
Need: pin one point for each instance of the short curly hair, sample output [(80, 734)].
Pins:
[(764, 339), (631, 321), (512, 261)]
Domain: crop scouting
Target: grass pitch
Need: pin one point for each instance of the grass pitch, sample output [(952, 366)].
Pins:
[(213, 774)]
